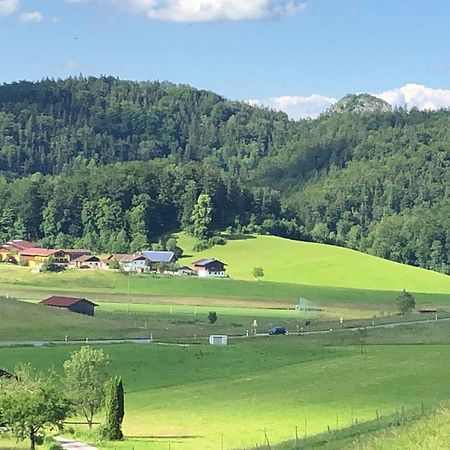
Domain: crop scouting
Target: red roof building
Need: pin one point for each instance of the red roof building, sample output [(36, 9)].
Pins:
[(74, 304)]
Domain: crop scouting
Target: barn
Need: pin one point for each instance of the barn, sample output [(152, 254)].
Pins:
[(73, 304)]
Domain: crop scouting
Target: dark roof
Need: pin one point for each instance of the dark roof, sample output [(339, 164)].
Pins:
[(86, 258), (205, 261), (64, 302), (75, 251), (159, 256)]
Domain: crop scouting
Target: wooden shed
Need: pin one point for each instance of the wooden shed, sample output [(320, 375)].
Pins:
[(73, 304)]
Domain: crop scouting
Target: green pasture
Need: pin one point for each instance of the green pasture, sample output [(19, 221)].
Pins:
[(193, 397), (117, 287), (307, 263), (429, 433), (21, 321)]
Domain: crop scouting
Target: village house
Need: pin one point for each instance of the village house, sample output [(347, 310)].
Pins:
[(157, 258), (74, 253), (19, 250), (209, 268), (185, 271), (145, 261), (36, 256), (128, 263), (87, 262), (10, 251), (73, 304)]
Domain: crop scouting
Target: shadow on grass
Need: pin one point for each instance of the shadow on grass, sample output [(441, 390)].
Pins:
[(238, 237)]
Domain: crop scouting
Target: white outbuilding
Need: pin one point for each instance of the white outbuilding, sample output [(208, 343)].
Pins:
[(218, 339)]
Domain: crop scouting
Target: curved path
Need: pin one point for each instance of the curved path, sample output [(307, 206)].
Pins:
[(69, 444), (77, 342)]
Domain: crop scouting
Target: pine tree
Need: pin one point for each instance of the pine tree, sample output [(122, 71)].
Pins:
[(114, 410)]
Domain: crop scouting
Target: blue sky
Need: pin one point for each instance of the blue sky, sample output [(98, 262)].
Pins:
[(278, 52)]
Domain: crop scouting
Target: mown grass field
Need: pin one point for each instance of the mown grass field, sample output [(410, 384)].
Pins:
[(193, 397), (418, 428), (307, 263), (23, 321), (114, 287)]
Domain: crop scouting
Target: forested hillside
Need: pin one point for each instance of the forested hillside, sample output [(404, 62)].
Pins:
[(112, 164)]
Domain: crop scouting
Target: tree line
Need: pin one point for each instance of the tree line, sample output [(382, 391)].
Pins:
[(112, 165)]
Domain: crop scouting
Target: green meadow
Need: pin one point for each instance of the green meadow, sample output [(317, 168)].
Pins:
[(117, 287), (199, 396), (307, 263)]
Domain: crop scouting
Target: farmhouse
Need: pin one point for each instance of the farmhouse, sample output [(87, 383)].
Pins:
[(10, 250), (185, 271), (20, 250), (209, 268), (74, 304), (143, 261), (87, 262), (156, 258), (36, 256), (74, 253)]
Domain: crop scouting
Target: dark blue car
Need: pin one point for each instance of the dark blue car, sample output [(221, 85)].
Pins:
[(277, 330)]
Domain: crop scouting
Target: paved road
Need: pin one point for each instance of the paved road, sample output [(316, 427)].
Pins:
[(150, 341), (369, 327), (69, 342), (68, 444)]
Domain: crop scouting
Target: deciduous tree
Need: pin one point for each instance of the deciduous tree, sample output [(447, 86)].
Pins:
[(86, 374)]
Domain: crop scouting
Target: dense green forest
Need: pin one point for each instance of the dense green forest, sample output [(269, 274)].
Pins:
[(111, 165)]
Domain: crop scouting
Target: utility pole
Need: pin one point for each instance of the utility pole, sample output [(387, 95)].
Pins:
[(128, 293)]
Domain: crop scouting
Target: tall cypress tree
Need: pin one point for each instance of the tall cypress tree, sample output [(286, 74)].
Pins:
[(114, 409)]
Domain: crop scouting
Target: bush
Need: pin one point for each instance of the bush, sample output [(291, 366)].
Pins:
[(50, 266), (258, 272), (406, 302), (212, 317), (217, 240), (201, 245), (114, 264)]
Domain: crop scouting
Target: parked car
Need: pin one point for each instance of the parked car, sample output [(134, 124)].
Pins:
[(277, 330)]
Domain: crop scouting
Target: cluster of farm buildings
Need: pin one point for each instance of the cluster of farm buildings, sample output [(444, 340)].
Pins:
[(28, 253)]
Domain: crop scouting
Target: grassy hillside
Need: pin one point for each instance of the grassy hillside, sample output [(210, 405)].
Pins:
[(307, 263), (19, 282), (239, 392), (25, 321), (430, 433)]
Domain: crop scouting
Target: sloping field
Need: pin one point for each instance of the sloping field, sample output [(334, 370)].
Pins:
[(25, 321), (198, 397), (307, 263)]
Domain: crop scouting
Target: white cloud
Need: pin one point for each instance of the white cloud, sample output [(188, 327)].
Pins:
[(8, 7), (31, 17), (417, 95), (207, 10), (297, 107)]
